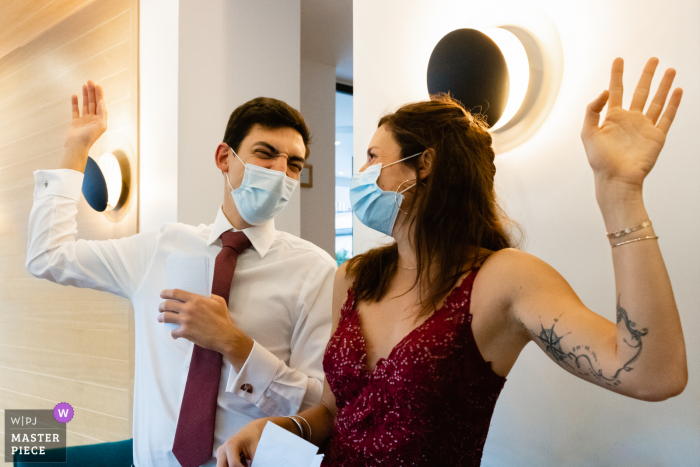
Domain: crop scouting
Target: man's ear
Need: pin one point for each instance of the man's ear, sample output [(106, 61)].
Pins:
[(425, 163), (221, 157)]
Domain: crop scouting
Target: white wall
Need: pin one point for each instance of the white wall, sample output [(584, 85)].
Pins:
[(227, 52), (546, 417), (318, 108), (158, 112)]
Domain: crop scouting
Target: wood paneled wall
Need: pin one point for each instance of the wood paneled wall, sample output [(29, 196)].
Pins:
[(63, 344)]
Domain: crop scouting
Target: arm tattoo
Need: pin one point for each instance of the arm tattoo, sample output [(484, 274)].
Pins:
[(582, 362)]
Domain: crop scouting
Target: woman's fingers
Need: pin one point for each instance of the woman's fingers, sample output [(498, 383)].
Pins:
[(670, 113), (74, 105), (657, 104), (616, 87), (641, 92), (230, 454), (592, 120)]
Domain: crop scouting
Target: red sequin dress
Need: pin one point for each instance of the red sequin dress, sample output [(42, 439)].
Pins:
[(428, 404)]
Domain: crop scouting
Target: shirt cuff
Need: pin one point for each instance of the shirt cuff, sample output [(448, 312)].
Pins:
[(255, 377), (60, 182)]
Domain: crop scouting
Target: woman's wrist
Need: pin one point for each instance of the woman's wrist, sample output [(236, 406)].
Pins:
[(621, 204)]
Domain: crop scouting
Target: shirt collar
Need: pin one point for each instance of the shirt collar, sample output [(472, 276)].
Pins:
[(260, 236)]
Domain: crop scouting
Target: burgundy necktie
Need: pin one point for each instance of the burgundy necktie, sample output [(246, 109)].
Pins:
[(194, 437)]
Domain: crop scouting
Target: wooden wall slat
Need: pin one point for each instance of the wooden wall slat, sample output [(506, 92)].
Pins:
[(99, 427), (36, 22), (82, 314), (47, 110)]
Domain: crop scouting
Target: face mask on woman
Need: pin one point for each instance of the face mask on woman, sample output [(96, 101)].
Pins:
[(376, 208), (263, 193)]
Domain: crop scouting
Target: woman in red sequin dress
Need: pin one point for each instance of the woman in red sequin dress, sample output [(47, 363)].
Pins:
[(425, 330)]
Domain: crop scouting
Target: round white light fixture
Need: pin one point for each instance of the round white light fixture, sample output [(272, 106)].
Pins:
[(109, 165), (518, 71)]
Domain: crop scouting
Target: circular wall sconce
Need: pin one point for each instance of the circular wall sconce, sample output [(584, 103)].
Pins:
[(501, 72), (107, 183)]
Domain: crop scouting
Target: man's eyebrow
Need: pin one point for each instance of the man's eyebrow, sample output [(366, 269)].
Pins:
[(268, 146), (274, 150)]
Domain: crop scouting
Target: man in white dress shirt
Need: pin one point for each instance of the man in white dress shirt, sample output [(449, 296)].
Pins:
[(274, 331)]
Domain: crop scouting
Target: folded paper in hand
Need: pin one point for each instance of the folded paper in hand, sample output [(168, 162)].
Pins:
[(278, 447), (189, 273)]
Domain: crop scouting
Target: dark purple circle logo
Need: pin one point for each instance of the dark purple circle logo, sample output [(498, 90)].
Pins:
[(63, 412)]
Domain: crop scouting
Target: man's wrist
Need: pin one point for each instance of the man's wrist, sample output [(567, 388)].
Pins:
[(237, 348), (74, 157)]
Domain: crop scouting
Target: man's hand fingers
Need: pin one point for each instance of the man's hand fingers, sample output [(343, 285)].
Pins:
[(616, 83), (74, 105), (85, 100), (641, 92), (169, 317), (592, 120), (100, 96), (91, 98), (219, 299), (171, 305), (670, 113), (657, 104), (177, 294)]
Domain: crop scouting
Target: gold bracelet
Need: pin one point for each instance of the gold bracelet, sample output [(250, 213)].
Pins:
[(629, 230), (635, 240)]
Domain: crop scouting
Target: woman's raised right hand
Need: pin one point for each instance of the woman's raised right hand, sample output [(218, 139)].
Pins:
[(241, 447)]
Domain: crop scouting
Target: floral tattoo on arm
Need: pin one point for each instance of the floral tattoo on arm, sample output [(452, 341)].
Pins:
[(583, 359)]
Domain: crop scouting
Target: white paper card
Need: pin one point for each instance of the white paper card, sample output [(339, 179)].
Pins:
[(189, 273), (278, 447)]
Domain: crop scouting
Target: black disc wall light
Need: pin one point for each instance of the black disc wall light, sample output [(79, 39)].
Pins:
[(468, 65), (500, 72)]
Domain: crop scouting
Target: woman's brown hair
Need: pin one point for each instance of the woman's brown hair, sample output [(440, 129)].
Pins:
[(454, 213)]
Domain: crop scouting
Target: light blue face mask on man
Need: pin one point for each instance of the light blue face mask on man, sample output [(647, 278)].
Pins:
[(376, 208), (263, 193)]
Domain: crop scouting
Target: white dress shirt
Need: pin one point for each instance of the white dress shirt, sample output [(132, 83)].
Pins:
[(281, 298)]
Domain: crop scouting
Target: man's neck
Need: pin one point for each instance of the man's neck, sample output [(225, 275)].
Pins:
[(234, 217)]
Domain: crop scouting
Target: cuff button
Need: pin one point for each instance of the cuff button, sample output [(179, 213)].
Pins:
[(247, 388)]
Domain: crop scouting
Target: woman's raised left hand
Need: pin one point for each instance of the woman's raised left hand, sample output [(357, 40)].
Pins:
[(626, 146)]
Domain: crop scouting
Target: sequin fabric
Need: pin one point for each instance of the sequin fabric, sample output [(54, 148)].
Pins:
[(429, 403)]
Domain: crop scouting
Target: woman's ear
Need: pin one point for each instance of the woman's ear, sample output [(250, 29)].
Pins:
[(425, 163)]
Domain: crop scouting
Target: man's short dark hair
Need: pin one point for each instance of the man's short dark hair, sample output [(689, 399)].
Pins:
[(270, 114)]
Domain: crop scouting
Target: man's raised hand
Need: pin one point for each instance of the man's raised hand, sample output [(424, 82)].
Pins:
[(84, 128)]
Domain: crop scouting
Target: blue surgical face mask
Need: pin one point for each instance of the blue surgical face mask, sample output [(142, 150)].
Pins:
[(376, 208), (263, 193)]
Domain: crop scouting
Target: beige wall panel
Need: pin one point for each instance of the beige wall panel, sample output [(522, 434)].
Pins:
[(32, 22), (45, 111), (91, 342), (67, 365), (98, 398), (104, 316), (91, 426), (27, 88), (72, 28), (64, 344)]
